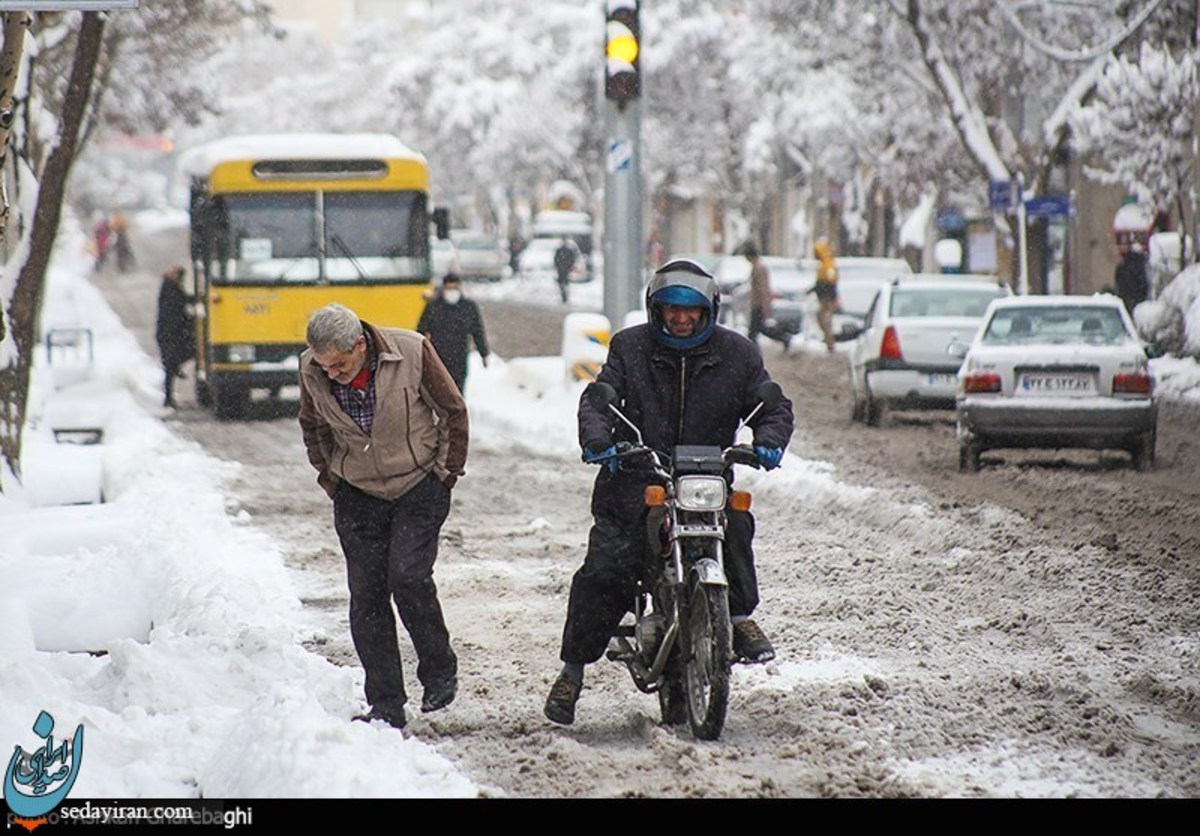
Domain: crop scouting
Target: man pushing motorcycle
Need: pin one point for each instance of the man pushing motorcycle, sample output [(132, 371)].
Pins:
[(684, 380)]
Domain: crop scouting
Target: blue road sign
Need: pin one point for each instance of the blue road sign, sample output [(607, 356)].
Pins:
[(1002, 194), (1048, 206)]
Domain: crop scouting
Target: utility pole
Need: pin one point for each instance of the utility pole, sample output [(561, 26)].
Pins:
[(623, 169)]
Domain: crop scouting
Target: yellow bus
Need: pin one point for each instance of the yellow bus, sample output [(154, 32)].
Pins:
[(283, 224)]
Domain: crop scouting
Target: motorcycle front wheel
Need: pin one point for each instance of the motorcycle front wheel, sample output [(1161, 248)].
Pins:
[(707, 671)]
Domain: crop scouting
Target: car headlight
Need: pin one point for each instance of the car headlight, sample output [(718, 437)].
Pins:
[(240, 353), (700, 493)]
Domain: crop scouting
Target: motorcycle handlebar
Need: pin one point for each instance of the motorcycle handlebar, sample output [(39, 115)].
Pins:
[(738, 454)]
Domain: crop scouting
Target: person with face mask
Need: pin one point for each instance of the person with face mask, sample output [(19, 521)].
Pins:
[(450, 320)]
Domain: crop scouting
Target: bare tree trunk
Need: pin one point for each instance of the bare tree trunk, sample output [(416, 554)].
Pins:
[(15, 26), (26, 304)]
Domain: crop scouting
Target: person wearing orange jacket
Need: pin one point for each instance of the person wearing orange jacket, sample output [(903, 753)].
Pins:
[(826, 290)]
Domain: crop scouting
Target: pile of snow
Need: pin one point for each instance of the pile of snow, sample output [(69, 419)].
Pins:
[(1172, 321)]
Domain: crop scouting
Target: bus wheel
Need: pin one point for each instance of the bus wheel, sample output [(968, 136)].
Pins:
[(230, 400), (203, 394)]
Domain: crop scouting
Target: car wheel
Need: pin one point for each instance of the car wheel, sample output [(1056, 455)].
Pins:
[(968, 456), (1143, 452), (873, 411), (857, 408)]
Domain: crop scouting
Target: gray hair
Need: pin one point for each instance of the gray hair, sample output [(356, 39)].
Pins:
[(333, 327)]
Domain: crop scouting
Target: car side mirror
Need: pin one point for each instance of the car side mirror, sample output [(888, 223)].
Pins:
[(957, 349), (1153, 351), (849, 332)]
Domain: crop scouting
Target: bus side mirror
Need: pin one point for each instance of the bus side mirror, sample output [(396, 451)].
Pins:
[(441, 221)]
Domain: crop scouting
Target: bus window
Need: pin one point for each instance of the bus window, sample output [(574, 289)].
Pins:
[(271, 237), (375, 235)]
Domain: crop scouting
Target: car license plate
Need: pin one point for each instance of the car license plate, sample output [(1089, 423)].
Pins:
[(943, 380), (1057, 383)]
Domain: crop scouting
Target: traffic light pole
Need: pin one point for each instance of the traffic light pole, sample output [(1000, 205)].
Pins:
[(622, 211)]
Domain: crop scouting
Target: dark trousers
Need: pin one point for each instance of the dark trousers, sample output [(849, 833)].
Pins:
[(603, 588), (390, 548), (758, 325)]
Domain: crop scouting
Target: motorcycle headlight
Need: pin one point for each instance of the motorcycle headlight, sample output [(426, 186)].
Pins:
[(701, 493)]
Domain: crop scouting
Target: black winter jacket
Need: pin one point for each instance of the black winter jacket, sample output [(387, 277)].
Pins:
[(684, 397)]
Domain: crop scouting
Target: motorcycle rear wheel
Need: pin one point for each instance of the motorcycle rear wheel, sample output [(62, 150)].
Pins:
[(707, 670)]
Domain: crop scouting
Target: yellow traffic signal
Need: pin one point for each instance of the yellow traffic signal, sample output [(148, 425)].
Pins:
[(622, 80)]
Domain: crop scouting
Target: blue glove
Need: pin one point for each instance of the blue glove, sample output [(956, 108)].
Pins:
[(606, 457), (768, 457)]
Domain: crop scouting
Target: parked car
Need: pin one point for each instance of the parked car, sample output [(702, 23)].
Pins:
[(480, 257), (899, 358), (537, 261), (789, 283), (444, 257), (1056, 372)]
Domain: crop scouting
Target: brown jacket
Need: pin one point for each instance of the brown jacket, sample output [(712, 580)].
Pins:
[(760, 288), (420, 423)]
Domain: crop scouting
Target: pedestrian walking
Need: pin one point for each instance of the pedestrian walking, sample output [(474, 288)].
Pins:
[(826, 290), (564, 260), (760, 298), (386, 430), (175, 330), (452, 322), (119, 226), (1131, 277)]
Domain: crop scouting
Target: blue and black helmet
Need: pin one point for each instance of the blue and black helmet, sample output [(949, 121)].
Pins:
[(684, 283)]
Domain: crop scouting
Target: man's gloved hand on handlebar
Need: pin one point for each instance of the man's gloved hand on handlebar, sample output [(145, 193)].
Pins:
[(602, 451)]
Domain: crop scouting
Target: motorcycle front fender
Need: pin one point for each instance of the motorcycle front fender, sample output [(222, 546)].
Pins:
[(709, 571)]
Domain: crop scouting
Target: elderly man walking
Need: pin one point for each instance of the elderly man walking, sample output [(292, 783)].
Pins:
[(386, 430)]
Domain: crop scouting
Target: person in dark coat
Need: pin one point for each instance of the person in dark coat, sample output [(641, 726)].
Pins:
[(1130, 278), (564, 260), (450, 320), (682, 379), (175, 329)]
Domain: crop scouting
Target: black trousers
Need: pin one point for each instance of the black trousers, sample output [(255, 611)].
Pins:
[(390, 548), (603, 588), (758, 325)]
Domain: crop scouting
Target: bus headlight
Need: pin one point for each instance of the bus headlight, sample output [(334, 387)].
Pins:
[(240, 353), (701, 493)]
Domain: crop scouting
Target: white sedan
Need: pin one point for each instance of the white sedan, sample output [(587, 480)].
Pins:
[(900, 359), (1056, 372)]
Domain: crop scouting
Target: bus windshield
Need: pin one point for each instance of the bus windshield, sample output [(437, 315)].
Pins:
[(375, 235), (312, 236)]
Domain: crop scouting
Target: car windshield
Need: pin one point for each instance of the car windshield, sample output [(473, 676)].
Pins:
[(856, 295), (1089, 324), (943, 301)]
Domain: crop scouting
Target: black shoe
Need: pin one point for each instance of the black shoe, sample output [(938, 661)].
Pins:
[(560, 705), (439, 695), (394, 717), (750, 643)]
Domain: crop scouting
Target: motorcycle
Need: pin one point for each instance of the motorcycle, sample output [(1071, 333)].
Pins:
[(679, 645)]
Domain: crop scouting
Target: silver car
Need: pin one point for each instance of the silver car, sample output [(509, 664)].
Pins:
[(480, 256), (1056, 372), (899, 357)]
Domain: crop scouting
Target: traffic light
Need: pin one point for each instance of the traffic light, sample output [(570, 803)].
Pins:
[(622, 78)]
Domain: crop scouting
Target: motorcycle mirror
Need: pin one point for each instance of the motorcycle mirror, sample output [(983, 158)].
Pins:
[(770, 393), (601, 396)]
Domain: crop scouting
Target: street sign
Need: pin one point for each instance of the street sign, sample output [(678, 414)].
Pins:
[(1054, 205), (1002, 194), (620, 155), (65, 5)]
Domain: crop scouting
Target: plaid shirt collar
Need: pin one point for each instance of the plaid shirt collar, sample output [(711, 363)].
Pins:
[(359, 404)]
